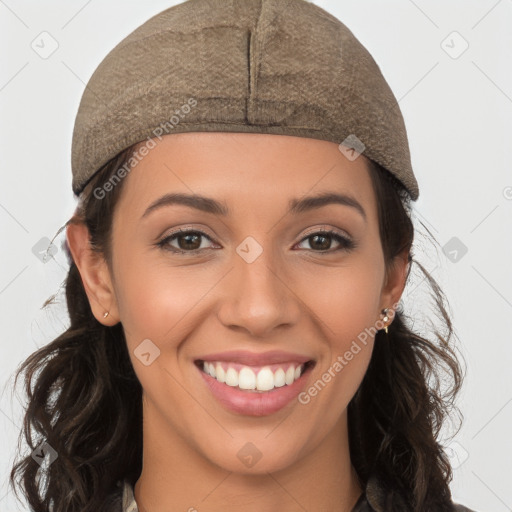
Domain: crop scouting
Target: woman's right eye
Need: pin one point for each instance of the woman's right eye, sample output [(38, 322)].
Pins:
[(187, 241)]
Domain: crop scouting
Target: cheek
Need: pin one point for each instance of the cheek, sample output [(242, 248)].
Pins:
[(161, 302), (345, 302), (156, 303), (151, 298), (345, 299)]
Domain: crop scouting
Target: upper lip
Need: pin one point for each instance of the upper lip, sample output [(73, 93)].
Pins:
[(255, 359)]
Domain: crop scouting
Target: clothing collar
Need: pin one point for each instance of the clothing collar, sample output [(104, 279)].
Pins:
[(128, 500)]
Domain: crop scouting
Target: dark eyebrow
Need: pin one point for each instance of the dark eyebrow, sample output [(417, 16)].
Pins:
[(202, 203), (296, 206), (312, 202)]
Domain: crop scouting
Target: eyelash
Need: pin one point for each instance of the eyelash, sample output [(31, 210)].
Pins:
[(345, 243)]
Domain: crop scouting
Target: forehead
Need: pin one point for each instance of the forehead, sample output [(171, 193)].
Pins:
[(244, 169)]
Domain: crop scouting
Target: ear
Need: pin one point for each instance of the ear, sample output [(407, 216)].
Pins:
[(396, 277), (94, 272)]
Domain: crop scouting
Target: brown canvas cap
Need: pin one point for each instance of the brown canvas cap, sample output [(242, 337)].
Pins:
[(283, 67)]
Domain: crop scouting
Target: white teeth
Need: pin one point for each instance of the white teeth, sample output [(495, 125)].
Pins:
[(265, 380), (232, 377), (290, 375), (220, 374), (279, 378), (246, 379)]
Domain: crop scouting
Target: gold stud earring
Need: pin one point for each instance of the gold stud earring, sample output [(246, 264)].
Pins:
[(385, 319)]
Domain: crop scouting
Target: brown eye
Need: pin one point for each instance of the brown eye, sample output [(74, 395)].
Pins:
[(187, 241), (322, 241)]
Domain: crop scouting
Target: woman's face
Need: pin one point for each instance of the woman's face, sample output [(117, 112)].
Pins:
[(257, 283)]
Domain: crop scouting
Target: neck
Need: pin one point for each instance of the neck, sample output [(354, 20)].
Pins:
[(176, 477)]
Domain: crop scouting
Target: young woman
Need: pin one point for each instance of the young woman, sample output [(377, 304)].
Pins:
[(237, 259)]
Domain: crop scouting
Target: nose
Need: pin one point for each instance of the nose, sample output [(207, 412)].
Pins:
[(259, 297)]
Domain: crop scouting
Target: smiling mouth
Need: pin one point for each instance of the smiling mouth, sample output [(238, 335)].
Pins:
[(256, 379)]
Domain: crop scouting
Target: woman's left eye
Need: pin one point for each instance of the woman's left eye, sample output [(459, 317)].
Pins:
[(323, 238)]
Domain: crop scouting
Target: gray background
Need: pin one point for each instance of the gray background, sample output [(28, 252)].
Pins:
[(457, 105)]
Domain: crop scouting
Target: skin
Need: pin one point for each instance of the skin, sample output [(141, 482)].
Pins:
[(293, 297)]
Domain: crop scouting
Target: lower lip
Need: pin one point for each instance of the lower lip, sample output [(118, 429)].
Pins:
[(252, 403)]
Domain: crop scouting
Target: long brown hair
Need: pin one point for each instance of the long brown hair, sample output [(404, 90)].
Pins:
[(85, 401)]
